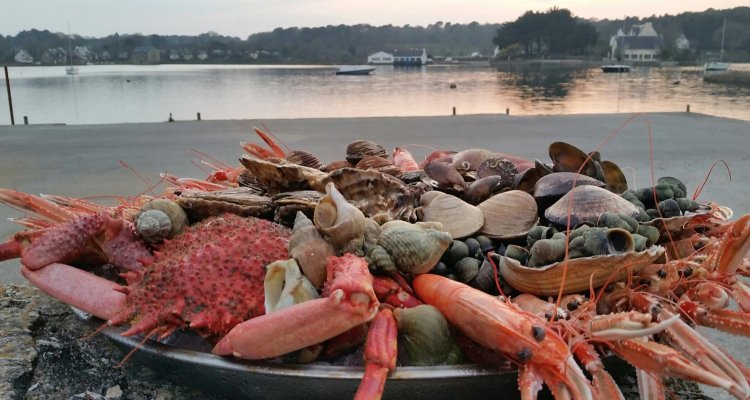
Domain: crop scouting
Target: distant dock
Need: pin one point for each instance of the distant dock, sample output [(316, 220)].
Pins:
[(729, 77)]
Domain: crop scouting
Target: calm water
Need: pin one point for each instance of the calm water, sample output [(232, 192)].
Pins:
[(125, 93)]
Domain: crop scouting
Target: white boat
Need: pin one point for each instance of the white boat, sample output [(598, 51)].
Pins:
[(71, 69), (719, 65), (354, 70)]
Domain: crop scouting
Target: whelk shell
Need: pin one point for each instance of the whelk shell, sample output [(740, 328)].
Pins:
[(589, 202), (597, 270), (310, 249), (508, 215), (458, 217), (413, 248), (160, 219), (338, 219)]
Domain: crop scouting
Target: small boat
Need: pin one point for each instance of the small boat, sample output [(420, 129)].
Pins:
[(719, 65), (616, 68), (70, 69), (355, 70)]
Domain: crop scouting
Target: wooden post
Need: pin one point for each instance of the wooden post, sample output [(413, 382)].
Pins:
[(25, 120), (10, 99), (507, 111), (688, 108), (199, 116), (454, 110)]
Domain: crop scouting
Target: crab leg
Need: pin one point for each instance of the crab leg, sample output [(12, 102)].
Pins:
[(380, 356), (79, 289), (350, 302), (735, 246), (649, 386)]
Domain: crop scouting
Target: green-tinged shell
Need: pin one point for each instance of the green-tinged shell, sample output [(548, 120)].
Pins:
[(546, 251), (674, 182), (600, 241), (163, 219), (639, 242), (426, 336), (517, 253), (687, 204), (414, 249), (669, 208), (379, 260), (467, 269), (285, 286), (310, 249), (539, 232), (622, 221), (650, 233)]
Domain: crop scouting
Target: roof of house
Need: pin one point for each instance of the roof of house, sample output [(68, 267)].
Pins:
[(642, 42), (408, 53)]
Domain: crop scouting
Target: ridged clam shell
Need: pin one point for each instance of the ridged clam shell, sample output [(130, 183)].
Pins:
[(358, 149), (508, 215), (458, 217), (413, 248), (549, 188), (337, 165), (589, 202), (285, 286), (310, 249), (597, 270), (380, 164), (304, 158), (338, 219)]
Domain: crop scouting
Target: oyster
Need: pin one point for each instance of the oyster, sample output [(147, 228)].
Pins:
[(240, 200), (276, 178), (287, 205), (508, 215)]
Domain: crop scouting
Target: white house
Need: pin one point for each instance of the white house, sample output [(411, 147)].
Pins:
[(410, 57), (380, 57), (641, 45), (681, 43), (23, 57)]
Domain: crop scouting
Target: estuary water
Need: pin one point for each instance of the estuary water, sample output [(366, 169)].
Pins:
[(129, 93)]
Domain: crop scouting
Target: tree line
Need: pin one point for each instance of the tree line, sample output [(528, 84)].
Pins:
[(552, 33)]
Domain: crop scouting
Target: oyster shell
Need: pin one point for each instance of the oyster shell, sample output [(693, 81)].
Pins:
[(276, 178), (359, 149), (508, 215), (337, 165), (597, 270), (310, 249), (458, 217), (287, 205), (589, 202), (240, 200)]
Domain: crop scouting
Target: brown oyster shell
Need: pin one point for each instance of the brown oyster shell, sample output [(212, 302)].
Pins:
[(380, 196), (359, 149), (310, 249), (287, 205), (240, 200), (379, 164), (458, 217), (304, 158), (596, 270), (276, 178), (589, 202), (508, 215)]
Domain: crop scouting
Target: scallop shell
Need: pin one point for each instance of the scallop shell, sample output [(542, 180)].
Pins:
[(413, 248), (338, 219), (458, 217), (597, 270), (379, 164), (285, 286), (310, 249), (358, 149), (589, 202), (508, 215), (304, 158)]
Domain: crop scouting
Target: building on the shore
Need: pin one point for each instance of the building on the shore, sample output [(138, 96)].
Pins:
[(23, 57), (682, 43), (642, 45), (380, 57), (410, 57), (146, 55)]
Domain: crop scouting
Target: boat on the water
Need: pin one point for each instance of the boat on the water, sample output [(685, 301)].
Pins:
[(719, 65), (355, 70), (616, 68), (70, 69)]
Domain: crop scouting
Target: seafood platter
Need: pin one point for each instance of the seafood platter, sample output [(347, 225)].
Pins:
[(379, 273)]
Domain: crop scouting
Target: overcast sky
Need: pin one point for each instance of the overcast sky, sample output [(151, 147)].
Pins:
[(243, 17)]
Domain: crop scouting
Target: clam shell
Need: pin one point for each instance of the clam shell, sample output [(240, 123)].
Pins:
[(458, 217), (614, 177), (549, 188), (379, 164), (357, 150), (508, 215), (310, 249), (413, 248), (568, 158), (338, 219), (545, 281), (304, 158), (589, 202)]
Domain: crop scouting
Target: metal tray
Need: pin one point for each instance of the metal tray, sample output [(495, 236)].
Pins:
[(183, 361)]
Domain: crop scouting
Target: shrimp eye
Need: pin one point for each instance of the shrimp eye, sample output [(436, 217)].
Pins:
[(524, 355), (538, 333)]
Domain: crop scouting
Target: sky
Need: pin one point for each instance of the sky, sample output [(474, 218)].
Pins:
[(98, 18)]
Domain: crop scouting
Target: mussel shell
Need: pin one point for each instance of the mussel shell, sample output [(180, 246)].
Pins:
[(525, 180), (358, 149), (458, 217), (550, 188), (568, 158), (589, 202), (614, 177), (581, 272), (508, 215)]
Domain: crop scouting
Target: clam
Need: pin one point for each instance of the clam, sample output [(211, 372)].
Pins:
[(310, 249), (458, 217), (550, 188), (240, 200), (446, 176), (412, 248), (338, 219), (359, 149), (614, 177), (285, 286), (581, 272), (508, 215), (379, 164), (568, 158), (588, 203), (283, 177), (160, 219), (304, 158)]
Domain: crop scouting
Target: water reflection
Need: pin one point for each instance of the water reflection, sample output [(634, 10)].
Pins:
[(542, 84)]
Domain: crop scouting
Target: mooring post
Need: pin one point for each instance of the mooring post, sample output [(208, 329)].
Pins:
[(507, 111), (688, 108), (10, 99), (25, 120), (454, 110), (199, 116)]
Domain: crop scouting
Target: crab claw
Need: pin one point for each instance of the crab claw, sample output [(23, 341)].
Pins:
[(350, 302)]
